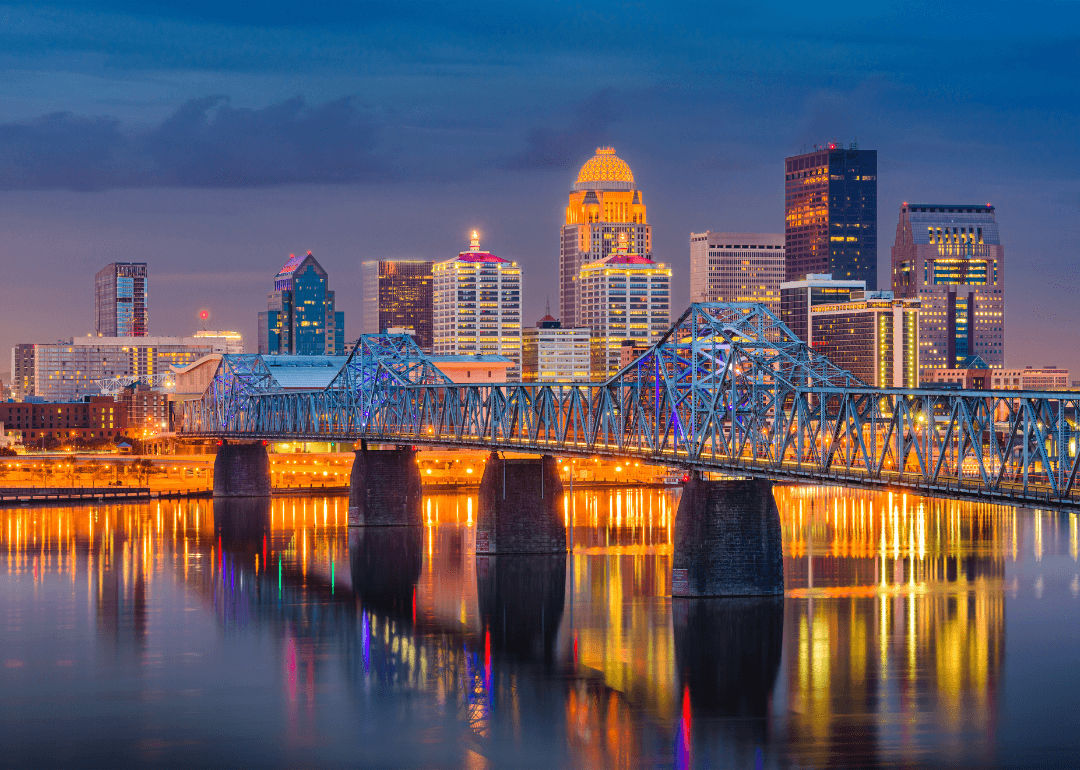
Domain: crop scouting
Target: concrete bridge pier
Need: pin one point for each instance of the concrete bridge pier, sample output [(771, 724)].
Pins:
[(241, 469), (727, 540), (384, 488), (520, 507)]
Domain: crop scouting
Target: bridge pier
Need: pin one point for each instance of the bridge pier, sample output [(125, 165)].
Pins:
[(727, 540), (520, 509), (384, 488), (241, 469)]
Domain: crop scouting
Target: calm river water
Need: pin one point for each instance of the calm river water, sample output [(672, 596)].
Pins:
[(912, 632)]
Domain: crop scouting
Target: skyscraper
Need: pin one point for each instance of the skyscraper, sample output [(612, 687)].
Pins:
[(624, 296), (873, 335), (477, 306), (737, 267), (300, 318), (830, 214), (603, 203), (550, 353), (951, 257), (797, 298), (120, 300), (397, 294)]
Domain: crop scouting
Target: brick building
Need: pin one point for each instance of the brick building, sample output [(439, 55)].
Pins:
[(95, 418)]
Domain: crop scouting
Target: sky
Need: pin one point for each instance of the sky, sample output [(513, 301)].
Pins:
[(212, 139)]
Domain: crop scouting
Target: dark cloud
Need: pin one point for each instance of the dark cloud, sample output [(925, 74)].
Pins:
[(561, 144), (206, 142)]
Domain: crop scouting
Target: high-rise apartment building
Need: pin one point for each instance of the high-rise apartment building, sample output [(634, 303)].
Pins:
[(550, 353), (830, 214), (798, 297), (300, 318), (737, 267), (951, 258), (22, 370), (603, 204), (477, 306), (397, 295), (120, 300), (625, 296), (873, 335)]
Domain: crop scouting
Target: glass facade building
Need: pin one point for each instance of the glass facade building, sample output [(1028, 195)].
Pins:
[(798, 297), (477, 306), (397, 294), (120, 300), (737, 267), (875, 337), (830, 214), (550, 353), (950, 257), (300, 318), (603, 205)]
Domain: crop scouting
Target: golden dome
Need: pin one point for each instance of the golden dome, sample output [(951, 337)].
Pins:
[(605, 171)]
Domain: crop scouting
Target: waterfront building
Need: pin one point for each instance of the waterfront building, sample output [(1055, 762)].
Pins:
[(145, 409), (737, 267), (121, 307), (550, 353), (950, 257), (300, 318), (228, 341), (625, 296), (830, 214), (873, 335), (22, 370), (976, 374), (602, 204), (94, 418), (798, 297), (476, 368), (70, 369), (477, 306), (397, 293)]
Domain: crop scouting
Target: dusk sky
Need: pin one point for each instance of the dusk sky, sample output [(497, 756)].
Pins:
[(211, 139)]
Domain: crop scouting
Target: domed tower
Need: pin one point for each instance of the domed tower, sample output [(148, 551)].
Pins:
[(602, 204)]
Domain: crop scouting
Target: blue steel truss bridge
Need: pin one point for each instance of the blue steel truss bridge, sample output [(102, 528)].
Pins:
[(729, 388)]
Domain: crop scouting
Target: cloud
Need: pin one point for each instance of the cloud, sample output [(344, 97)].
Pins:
[(560, 148), (206, 142)]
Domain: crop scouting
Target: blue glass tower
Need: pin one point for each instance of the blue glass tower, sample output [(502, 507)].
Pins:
[(300, 318)]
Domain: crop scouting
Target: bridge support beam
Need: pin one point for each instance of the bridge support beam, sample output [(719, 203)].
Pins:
[(727, 540), (520, 507), (241, 469), (384, 488)]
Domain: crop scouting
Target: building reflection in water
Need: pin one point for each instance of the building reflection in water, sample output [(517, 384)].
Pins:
[(889, 644)]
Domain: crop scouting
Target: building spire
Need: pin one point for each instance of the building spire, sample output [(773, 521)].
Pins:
[(474, 241)]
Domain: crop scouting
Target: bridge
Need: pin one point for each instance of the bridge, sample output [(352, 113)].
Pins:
[(728, 389)]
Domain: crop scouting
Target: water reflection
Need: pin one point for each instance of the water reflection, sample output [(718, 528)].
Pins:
[(275, 623)]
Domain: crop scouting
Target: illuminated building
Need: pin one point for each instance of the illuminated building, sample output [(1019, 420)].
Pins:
[(951, 258), (603, 203), (737, 267), (22, 370), (873, 336), (92, 418), (227, 341), (625, 296), (797, 297), (550, 353), (300, 318), (830, 214), (67, 370), (477, 306), (475, 368), (145, 409), (397, 295), (975, 374), (120, 300)]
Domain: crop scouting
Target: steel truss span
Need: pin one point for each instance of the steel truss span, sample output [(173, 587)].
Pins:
[(727, 388)]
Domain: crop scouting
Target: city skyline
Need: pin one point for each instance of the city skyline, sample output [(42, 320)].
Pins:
[(503, 171)]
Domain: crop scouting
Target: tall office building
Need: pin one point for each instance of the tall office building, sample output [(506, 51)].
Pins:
[(300, 318), (951, 257), (625, 296), (477, 306), (873, 335), (550, 353), (797, 298), (120, 300), (737, 267), (603, 203), (22, 370), (830, 214), (397, 295)]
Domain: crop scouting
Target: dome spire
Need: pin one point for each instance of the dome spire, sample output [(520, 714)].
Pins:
[(605, 171)]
